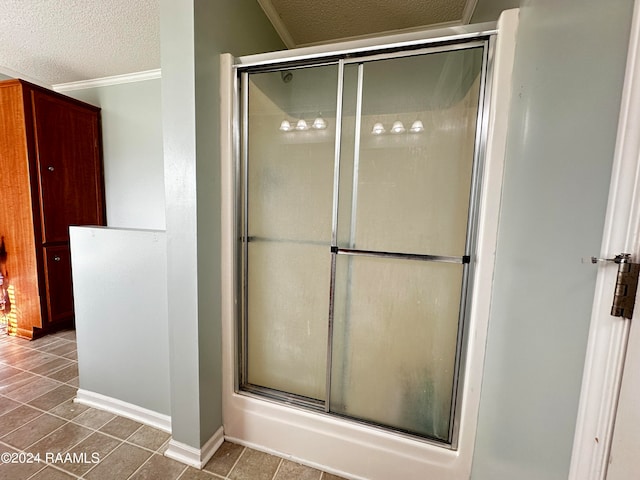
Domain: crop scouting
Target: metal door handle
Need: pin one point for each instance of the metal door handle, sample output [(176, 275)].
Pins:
[(56, 258)]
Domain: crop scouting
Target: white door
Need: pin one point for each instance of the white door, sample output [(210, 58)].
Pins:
[(607, 438), (624, 463)]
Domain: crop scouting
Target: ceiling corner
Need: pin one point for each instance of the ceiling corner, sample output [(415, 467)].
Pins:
[(469, 9), (8, 72), (276, 21)]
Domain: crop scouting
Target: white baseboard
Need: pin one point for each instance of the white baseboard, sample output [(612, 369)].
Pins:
[(124, 409), (195, 457), (177, 451)]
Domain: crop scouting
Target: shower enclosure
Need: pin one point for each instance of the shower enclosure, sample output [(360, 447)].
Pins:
[(358, 181)]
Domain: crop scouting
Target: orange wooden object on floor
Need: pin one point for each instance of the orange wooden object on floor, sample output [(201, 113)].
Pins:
[(51, 177)]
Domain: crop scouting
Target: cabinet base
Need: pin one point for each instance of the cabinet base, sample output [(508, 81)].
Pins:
[(34, 332)]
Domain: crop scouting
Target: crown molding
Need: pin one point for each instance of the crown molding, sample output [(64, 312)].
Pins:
[(108, 81)]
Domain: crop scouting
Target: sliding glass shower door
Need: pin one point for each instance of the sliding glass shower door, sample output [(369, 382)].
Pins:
[(289, 190), (359, 180)]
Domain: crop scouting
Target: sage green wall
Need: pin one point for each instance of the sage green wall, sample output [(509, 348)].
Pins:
[(568, 75), (132, 146), (193, 35), (119, 284)]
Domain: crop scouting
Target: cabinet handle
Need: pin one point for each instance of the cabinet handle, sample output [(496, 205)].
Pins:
[(50, 168), (56, 258)]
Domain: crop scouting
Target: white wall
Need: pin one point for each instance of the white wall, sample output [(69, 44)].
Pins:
[(119, 285), (133, 156)]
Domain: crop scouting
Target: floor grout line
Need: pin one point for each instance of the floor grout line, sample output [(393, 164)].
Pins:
[(62, 470), (147, 461), (228, 474), (25, 404), (36, 473), (139, 467), (22, 370), (103, 459), (275, 474), (18, 367)]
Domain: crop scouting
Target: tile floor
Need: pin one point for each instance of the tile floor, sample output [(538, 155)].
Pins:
[(38, 381)]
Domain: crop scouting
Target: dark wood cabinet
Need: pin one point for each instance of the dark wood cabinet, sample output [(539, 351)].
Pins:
[(50, 178), (57, 263)]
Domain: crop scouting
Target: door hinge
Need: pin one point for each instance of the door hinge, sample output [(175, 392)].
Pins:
[(624, 295)]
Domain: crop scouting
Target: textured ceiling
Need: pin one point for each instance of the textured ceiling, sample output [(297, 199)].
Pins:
[(59, 41), (304, 22)]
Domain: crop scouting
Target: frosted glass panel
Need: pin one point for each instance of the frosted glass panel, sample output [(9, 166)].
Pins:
[(288, 316), (290, 173), (394, 342), (408, 191), (289, 187)]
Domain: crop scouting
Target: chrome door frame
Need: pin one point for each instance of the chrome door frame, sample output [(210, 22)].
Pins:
[(319, 56)]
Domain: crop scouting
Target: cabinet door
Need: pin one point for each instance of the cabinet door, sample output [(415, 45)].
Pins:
[(69, 165), (59, 290)]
